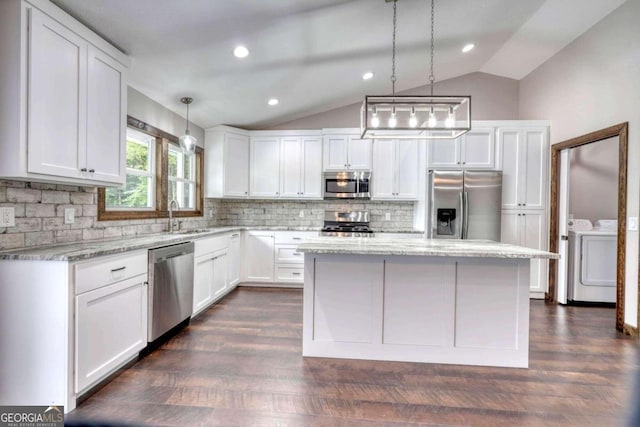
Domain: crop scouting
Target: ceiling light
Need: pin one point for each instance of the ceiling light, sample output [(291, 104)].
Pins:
[(187, 141), (414, 116), (468, 47), (273, 101), (367, 76), (241, 52)]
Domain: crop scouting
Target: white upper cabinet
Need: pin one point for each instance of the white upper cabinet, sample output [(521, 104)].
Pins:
[(72, 127), (264, 171), (395, 173), (525, 158), (226, 158), (301, 167), (474, 150), (106, 117), (346, 152)]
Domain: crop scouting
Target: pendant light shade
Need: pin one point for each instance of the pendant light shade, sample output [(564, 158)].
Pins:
[(187, 141), (414, 116)]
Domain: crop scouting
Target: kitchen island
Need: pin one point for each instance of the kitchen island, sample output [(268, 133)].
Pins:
[(416, 300)]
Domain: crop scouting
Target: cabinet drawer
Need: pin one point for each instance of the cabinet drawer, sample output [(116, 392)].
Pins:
[(293, 237), (289, 254), (106, 270), (289, 274), (210, 244)]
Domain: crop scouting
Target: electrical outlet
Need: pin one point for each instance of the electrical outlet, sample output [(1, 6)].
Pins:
[(8, 217), (387, 216), (210, 213), (301, 213), (633, 223), (69, 215)]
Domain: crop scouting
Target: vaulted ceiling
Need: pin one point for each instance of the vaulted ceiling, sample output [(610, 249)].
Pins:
[(311, 54)]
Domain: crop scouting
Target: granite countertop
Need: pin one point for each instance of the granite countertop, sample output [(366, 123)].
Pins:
[(420, 247), (94, 248)]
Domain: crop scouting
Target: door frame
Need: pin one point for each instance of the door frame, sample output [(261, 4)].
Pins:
[(621, 131)]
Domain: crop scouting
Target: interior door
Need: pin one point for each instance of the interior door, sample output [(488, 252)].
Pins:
[(563, 232)]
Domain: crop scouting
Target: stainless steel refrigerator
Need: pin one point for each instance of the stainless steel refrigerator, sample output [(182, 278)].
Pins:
[(464, 204)]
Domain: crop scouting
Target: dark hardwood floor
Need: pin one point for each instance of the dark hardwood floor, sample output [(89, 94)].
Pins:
[(240, 364)]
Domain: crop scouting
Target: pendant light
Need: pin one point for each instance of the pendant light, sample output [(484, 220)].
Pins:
[(187, 141), (414, 116)]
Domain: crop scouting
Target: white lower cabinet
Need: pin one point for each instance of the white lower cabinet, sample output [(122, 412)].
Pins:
[(259, 256), (234, 255), (529, 229), (210, 274), (111, 318)]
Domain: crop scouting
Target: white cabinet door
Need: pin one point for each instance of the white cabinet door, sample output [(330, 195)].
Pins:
[(525, 158), (106, 118), (56, 98), (234, 254), (408, 164), (311, 168), (478, 149), (265, 167), (512, 152), (510, 227), (290, 167), (111, 328), (236, 165), (533, 235), (384, 169), (220, 282), (535, 168), (202, 282), (259, 256), (528, 228), (359, 153), (335, 152), (444, 153)]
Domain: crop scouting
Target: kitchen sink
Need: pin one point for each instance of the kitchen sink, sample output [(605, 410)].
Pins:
[(193, 231)]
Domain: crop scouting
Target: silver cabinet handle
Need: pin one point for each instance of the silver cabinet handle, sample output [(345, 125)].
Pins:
[(296, 238), (297, 253), (296, 273)]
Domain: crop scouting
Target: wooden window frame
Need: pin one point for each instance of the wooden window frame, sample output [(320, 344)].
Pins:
[(163, 139)]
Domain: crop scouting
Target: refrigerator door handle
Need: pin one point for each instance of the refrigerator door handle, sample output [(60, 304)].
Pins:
[(460, 232), (465, 215)]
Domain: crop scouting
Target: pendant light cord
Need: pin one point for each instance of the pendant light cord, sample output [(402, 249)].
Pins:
[(393, 57), (187, 131), (432, 78)]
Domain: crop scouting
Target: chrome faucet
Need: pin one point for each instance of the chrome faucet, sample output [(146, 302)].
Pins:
[(173, 223)]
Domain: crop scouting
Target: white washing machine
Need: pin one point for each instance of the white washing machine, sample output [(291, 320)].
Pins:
[(592, 265)]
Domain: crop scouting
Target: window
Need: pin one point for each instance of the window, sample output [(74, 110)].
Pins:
[(157, 172), (182, 182), (139, 189)]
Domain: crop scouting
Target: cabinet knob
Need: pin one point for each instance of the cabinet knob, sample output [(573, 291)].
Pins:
[(246, 192), (464, 163), (92, 170), (277, 193), (83, 170)]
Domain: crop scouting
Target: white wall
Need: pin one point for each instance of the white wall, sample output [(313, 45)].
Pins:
[(149, 111), (593, 180), (591, 84), (492, 98)]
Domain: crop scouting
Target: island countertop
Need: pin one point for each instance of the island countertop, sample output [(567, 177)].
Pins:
[(420, 247)]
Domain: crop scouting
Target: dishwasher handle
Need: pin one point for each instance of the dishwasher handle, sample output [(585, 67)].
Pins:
[(167, 252)]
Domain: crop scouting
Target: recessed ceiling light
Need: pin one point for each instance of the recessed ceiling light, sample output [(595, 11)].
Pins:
[(368, 75), (273, 101), (241, 52), (468, 47)]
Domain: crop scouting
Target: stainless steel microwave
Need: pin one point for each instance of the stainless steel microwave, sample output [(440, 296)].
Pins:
[(347, 185)]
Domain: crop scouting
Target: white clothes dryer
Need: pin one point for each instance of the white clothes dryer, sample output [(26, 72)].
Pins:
[(592, 265)]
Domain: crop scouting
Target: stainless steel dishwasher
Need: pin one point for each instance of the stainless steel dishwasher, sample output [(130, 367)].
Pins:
[(170, 287)]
